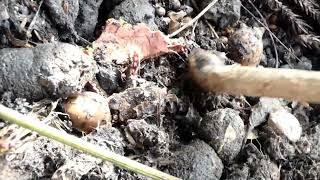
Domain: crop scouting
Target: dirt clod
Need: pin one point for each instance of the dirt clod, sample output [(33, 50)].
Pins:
[(196, 160), (135, 103), (223, 129), (48, 70), (148, 136)]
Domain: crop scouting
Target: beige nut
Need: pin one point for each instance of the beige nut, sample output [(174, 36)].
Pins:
[(87, 111)]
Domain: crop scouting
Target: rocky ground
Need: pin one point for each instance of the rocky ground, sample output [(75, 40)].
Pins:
[(53, 50)]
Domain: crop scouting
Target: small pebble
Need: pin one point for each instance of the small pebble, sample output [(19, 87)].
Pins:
[(160, 11), (174, 4), (284, 123), (187, 9), (223, 39), (165, 20)]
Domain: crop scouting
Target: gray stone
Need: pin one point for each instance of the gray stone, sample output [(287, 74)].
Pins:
[(87, 18), (261, 110), (134, 12), (224, 13)]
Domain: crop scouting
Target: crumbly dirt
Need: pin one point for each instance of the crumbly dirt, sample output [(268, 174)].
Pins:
[(159, 118)]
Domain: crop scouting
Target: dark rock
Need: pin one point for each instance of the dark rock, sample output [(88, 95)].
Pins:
[(107, 6), (87, 18), (196, 160), (224, 13), (223, 130), (63, 19), (134, 12), (109, 78)]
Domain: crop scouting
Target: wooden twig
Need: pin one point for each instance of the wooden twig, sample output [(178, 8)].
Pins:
[(27, 122), (194, 19), (211, 74)]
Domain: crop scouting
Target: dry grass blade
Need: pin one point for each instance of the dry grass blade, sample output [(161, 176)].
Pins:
[(310, 41), (298, 26), (309, 7)]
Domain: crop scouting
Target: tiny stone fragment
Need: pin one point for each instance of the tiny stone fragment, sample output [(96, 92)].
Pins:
[(4, 15), (160, 11), (109, 78), (174, 4), (284, 123)]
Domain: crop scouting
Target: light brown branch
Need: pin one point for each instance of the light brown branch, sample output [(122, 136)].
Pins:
[(290, 84)]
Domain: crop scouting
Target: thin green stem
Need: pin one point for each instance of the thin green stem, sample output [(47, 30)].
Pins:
[(12, 116)]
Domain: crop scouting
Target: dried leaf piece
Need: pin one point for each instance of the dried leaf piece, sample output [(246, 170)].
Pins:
[(150, 43), (121, 40)]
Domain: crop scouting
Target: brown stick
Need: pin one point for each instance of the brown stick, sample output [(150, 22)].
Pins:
[(211, 74)]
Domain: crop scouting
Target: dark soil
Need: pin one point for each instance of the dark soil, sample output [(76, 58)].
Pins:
[(163, 120)]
